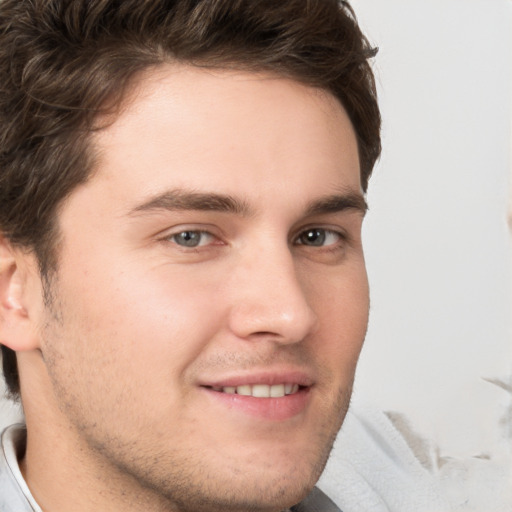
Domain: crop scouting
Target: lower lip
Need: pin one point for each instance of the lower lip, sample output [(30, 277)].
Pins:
[(276, 409)]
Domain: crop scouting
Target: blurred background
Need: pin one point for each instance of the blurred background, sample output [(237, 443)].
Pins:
[(438, 236)]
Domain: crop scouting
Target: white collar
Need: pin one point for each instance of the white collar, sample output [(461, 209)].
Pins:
[(11, 441)]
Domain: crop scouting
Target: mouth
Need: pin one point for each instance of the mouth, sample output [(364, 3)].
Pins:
[(260, 390), (271, 394)]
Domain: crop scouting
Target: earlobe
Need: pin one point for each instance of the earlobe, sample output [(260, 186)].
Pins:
[(17, 326)]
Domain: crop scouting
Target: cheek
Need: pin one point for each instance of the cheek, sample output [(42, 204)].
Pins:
[(342, 306), (147, 325), (119, 341)]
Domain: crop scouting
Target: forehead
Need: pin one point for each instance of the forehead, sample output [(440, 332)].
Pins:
[(243, 133)]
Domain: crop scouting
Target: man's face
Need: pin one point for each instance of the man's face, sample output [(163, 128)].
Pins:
[(215, 254)]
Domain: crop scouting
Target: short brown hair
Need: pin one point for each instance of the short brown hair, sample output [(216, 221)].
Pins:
[(63, 62)]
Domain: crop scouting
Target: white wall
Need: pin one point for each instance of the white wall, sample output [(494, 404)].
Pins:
[(437, 241)]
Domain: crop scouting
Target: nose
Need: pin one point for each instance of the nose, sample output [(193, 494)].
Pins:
[(269, 300)]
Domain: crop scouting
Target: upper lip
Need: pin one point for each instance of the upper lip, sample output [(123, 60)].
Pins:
[(268, 377)]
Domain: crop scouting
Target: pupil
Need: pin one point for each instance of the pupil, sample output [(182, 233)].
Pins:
[(314, 237), (188, 238)]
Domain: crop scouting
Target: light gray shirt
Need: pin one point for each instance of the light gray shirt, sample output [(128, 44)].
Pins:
[(15, 495)]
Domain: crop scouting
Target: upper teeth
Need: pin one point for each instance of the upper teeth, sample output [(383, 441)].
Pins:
[(260, 390)]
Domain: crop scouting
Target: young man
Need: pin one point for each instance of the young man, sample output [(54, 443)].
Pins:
[(182, 284)]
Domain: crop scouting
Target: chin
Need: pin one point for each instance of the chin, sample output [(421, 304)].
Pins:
[(280, 484), (266, 482), (263, 496)]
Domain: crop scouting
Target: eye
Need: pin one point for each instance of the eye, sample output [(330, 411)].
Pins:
[(191, 239), (319, 237)]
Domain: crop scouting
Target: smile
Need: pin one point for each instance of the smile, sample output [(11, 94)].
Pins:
[(259, 390), (266, 396)]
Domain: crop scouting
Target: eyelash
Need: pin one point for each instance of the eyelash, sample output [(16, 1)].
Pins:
[(323, 232), (201, 233)]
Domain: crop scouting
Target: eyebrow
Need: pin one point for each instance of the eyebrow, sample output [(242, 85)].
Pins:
[(178, 199), (175, 200), (338, 203)]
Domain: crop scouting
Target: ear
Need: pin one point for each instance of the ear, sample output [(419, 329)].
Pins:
[(18, 311)]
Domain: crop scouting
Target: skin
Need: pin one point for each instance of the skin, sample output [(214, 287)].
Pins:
[(113, 369)]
